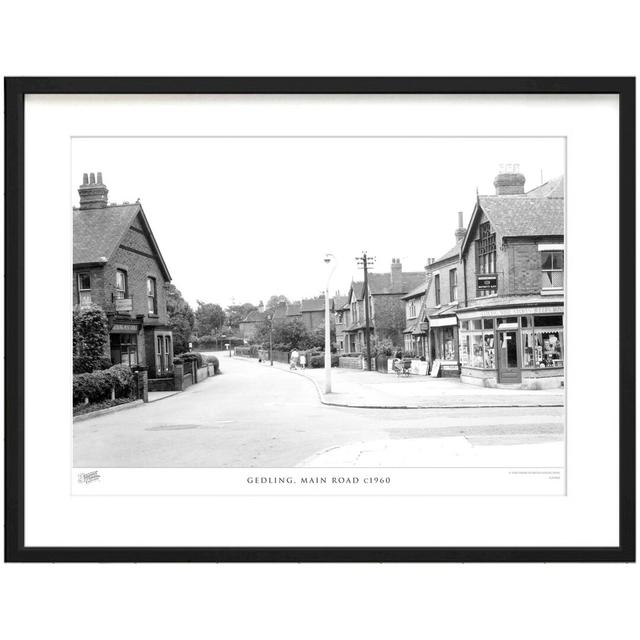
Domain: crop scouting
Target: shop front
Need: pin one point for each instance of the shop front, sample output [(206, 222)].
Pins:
[(444, 344), (515, 346), (124, 343)]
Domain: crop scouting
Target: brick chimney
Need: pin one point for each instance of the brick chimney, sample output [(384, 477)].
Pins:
[(396, 273), (509, 181), (93, 194), (460, 231)]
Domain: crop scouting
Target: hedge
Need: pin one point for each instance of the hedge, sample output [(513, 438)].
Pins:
[(97, 386)]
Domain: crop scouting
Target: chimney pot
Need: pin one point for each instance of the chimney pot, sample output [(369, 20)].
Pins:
[(509, 181), (92, 195)]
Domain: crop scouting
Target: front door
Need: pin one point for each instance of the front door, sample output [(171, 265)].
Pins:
[(508, 358)]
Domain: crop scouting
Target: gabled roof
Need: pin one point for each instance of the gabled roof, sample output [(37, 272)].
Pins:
[(97, 233), (540, 212), (380, 283), (551, 189), (339, 302), (454, 252), (312, 304), (293, 309), (255, 316), (524, 216), (421, 289)]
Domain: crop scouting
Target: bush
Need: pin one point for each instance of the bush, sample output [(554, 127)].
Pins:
[(211, 359), (96, 386), (316, 361), (87, 364), (190, 356)]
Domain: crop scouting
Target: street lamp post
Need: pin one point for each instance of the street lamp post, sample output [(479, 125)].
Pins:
[(270, 320), (329, 259)]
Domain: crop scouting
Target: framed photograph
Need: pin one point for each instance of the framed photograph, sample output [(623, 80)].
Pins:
[(320, 319)]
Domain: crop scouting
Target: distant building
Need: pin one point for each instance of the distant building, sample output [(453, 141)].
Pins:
[(386, 307), (312, 312), (416, 332), (248, 328), (118, 266), (339, 305), (511, 308)]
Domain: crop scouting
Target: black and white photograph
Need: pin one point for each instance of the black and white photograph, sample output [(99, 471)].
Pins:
[(320, 303), (364, 318)]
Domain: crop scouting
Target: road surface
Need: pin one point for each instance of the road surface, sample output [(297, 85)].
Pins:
[(253, 415)]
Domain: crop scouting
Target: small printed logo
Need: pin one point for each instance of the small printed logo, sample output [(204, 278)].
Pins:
[(86, 478)]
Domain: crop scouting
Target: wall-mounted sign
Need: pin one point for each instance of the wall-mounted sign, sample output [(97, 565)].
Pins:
[(487, 283), (124, 304), (124, 328)]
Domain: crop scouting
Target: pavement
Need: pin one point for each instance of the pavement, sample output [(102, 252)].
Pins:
[(370, 389), (257, 416), (453, 451)]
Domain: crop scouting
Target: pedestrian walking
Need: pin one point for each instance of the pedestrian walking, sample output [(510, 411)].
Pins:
[(303, 361), (293, 362)]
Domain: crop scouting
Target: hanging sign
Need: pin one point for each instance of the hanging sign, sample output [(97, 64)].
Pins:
[(487, 283)]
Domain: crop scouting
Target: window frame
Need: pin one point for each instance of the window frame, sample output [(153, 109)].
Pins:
[(122, 294), (553, 253), (154, 297), (82, 290), (453, 284)]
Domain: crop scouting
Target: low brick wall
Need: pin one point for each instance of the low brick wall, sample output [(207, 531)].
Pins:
[(202, 373), (162, 384), (350, 363)]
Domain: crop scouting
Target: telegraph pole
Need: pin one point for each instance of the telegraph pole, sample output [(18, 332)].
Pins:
[(365, 262)]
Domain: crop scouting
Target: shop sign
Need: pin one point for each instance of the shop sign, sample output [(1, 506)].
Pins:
[(124, 304), (487, 283), (124, 328), (510, 311)]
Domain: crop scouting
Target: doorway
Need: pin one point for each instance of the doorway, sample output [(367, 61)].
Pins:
[(508, 358)]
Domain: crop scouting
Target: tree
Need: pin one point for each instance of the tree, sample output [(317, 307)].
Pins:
[(287, 335), (181, 318), (276, 301), (210, 318), (238, 312), (316, 337)]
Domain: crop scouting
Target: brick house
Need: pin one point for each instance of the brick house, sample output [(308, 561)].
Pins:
[(118, 266), (248, 327), (340, 313), (511, 310), (312, 312), (416, 330), (386, 307), (441, 304)]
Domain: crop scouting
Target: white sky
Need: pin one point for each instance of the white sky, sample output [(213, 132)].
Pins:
[(240, 219)]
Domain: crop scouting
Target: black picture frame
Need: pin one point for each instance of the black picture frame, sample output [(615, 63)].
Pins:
[(15, 91)]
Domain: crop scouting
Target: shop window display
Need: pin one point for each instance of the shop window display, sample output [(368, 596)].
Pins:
[(542, 349), (464, 350), (448, 351), (489, 351)]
